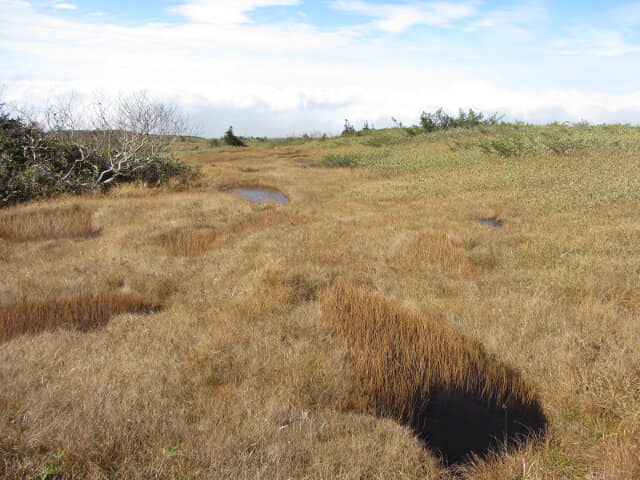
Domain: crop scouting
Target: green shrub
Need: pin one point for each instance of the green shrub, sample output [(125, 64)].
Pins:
[(412, 131), (340, 161), (348, 129), (440, 120), (503, 147), (162, 169), (230, 139), (565, 141)]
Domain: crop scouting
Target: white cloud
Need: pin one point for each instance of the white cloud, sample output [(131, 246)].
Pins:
[(627, 14), (396, 18), (64, 6), (594, 42), (524, 14), (283, 78), (225, 12)]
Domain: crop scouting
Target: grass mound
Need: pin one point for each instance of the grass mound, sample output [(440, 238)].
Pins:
[(430, 377), (83, 313), (47, 225)]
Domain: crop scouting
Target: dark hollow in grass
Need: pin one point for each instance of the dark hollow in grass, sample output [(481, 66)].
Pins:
[(83, 313), (47, 224), (410, 367)]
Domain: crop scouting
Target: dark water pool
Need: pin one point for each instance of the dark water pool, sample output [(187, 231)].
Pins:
[(261, 195), (492, 222)]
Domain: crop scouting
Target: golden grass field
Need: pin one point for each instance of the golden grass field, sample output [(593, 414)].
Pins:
[(284, 341)]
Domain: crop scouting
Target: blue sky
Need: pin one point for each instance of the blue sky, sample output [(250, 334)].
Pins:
[(279, 67)]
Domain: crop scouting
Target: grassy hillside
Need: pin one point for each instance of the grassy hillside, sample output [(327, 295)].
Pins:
[(333, 337)]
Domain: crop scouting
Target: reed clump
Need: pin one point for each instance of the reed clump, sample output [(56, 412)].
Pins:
[(426, 375), (83, 313), (47, 225)]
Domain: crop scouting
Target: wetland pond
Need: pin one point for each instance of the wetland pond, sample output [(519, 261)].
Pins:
[(492, 222), (261, 195)]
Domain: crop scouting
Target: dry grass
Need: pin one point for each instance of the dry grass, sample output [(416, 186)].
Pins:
[(187, 243), (82, 313), (47, 225), (238, 376), (435, 251)]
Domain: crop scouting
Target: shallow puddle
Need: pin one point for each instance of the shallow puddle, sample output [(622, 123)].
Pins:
[(261, 195), (492, 222)]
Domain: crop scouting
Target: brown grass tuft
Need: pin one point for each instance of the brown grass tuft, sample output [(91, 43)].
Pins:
[(429, 376), (187, 243), (47, 225), (83, 313)]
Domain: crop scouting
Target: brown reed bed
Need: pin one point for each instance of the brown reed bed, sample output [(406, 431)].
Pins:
[(83, 313), (426, 375), (47, 224), (188, 242)]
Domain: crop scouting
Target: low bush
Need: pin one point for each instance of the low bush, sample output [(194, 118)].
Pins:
[(231, 139), (440, 120), (340, 161), (348, 129)]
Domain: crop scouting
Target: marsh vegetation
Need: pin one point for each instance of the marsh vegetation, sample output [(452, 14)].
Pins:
[(352, 333)]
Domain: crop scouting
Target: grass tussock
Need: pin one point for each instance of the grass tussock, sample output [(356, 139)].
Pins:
[(187, 242), (82, 313), (430, 377), (47, 224)]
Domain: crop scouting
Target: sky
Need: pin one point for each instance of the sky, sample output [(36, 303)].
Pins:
[(288, 67)]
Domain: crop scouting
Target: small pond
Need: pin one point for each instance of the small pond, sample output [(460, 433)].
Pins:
[(260, 195), (492, 222)]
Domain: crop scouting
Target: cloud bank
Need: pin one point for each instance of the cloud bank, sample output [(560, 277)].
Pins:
[(222, 64)]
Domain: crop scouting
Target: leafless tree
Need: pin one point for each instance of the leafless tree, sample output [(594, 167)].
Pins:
[(117, 138)]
